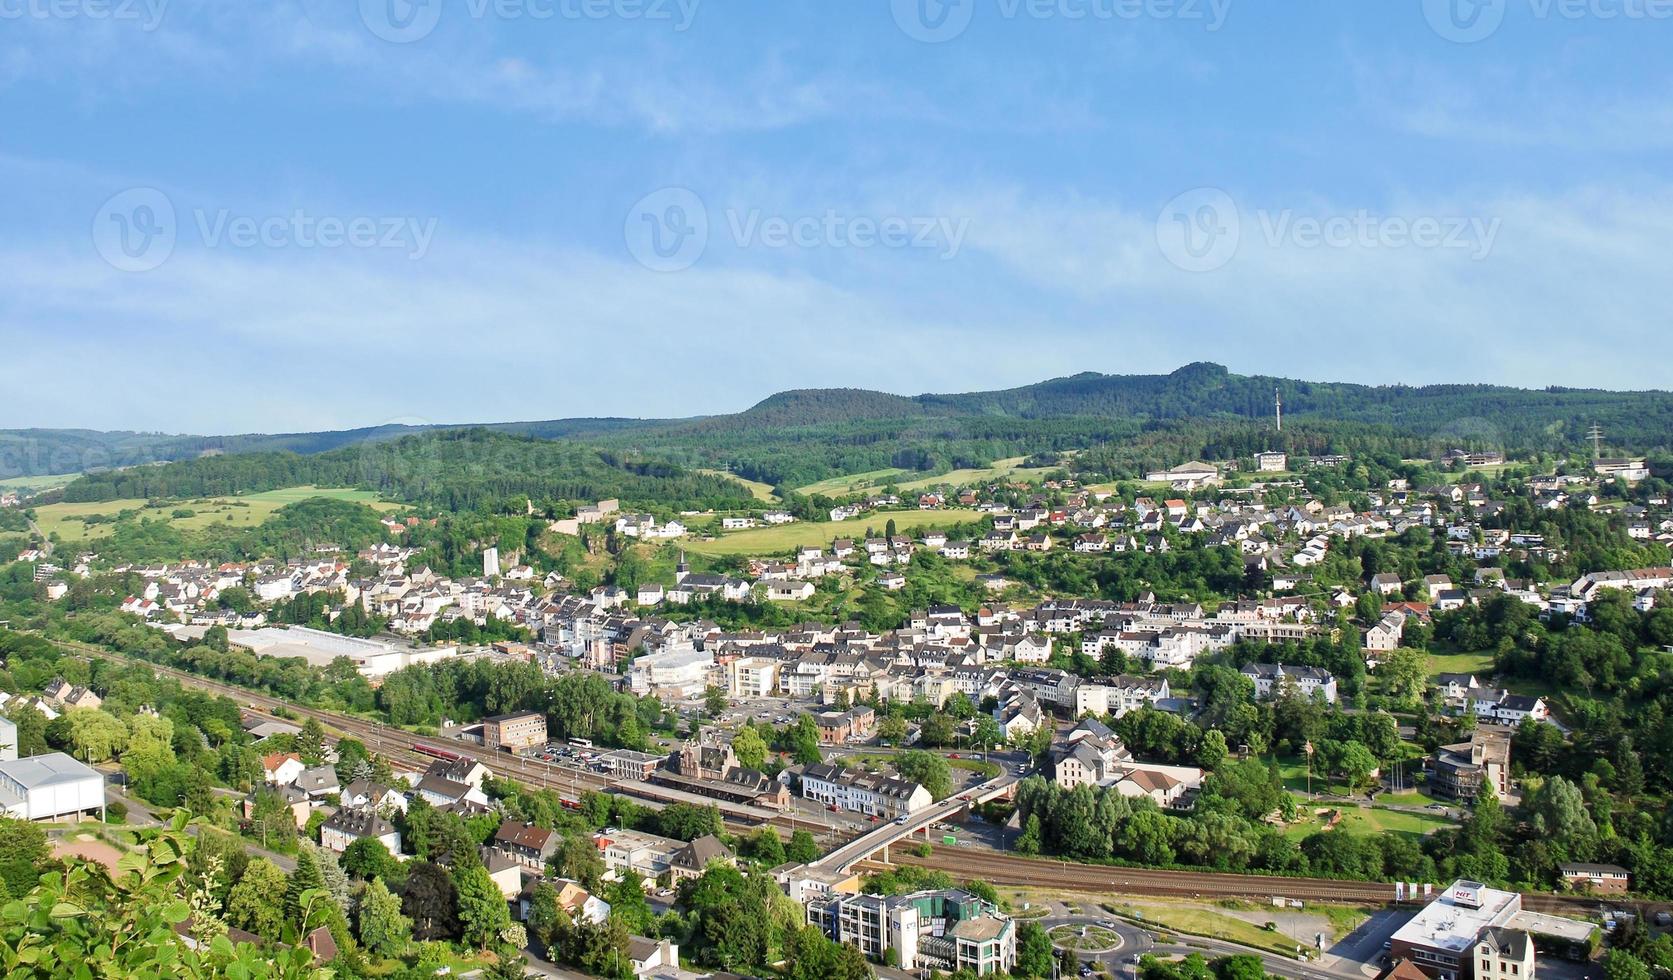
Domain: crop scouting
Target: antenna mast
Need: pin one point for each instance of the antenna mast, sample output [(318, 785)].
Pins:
[(1278, 406)]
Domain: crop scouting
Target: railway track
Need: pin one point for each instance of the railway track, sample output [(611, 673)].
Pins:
[(1004, 869), (396, 744), (997, 868)]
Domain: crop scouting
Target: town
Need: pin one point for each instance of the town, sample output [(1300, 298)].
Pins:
[(517, 760)]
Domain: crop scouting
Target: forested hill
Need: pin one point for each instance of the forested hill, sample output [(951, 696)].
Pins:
[(458, 469), (850, 426), (1206, 390)]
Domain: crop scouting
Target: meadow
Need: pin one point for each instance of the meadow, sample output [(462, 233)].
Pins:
[(67, 520)]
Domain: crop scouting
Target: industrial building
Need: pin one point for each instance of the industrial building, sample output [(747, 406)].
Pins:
[(50, 787)]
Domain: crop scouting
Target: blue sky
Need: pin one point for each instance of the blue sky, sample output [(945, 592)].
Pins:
[(301, 214)]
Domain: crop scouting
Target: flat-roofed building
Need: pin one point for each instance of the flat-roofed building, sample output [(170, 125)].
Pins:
[(628, 764), (514, 732)]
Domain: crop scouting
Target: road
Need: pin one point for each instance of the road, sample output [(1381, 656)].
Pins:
[(900, 831)]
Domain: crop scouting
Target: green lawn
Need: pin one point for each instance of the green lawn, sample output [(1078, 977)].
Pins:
[(1479, 664), (1371, 820), (1206, 922), (788, 537), (247, 510)]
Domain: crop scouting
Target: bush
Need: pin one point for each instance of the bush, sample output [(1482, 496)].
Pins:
[(116, 812)]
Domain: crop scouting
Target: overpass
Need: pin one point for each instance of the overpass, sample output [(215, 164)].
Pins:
[(895, 831)]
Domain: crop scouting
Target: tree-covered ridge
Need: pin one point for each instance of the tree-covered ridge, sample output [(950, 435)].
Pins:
[(968, 427), (454, 470)]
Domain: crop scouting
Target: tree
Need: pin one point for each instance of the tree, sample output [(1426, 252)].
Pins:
[(430, 900), (383, 929), (1622, 965), (802, 848), (627, 903), (1212, 750), (892, 729), (927, 769), (482, 909), (95, 734), (31, 731), (714, 699), (123, 925), (937, 730), (367, 858), (765, 846), (252, 904), (750, 748), (1405, 676), (23, 855), (1357, 763), (578, 858), (306, 878), (1243, 966), (1033, 951), (812, 956)]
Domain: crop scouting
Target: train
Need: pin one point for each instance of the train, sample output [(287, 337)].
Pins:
[(431, 750)]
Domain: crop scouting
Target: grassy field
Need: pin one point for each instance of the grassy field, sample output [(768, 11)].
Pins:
[(787, 537), (1004, 469), (1199, 921), (837, 486), (1371, 820), (242, 511), (762, 491), (1480, 664), (906, 481), (37, 482)]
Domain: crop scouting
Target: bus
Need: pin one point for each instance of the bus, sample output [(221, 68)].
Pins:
[(581, 743)]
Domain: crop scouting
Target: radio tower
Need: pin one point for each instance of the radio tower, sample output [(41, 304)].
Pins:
[(1278, 406), (1596, 432)]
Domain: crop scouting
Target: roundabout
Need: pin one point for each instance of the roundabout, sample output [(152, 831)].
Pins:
[(1088, 936)]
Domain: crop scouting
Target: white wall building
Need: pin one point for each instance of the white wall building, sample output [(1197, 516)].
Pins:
[(50, 787)]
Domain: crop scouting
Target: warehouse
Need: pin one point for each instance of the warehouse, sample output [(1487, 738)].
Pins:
[(50, 787)]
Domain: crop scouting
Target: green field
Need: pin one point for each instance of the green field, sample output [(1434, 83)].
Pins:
[(1371, 820), (1004, 469), (1197, 921), (787, 537), (838, 486), (906, 481), (1479, 664), (38, 482), (762, 491), (249, 510)]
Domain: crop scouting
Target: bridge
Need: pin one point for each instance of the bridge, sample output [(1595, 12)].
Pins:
[(897, 831)]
